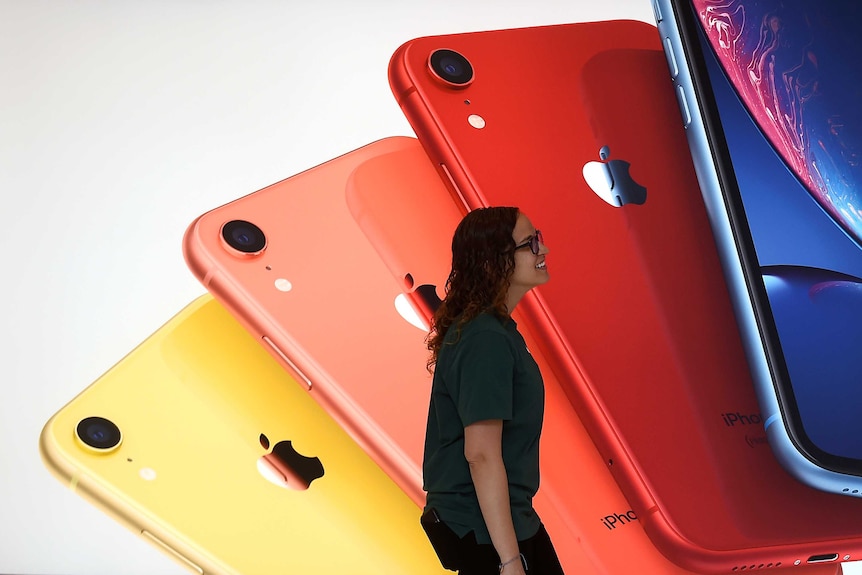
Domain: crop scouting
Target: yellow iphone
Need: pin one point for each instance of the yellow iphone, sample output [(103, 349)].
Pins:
[(202, 443)]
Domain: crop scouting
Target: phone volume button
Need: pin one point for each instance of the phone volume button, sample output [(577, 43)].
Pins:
[(172, 552), (286, 360), (671, 58), (683, 106)]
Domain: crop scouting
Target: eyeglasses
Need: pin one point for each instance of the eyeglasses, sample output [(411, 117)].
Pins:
[(534, 243)]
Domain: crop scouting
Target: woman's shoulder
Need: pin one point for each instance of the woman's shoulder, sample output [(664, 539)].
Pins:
[(477, 337), (483, 323)]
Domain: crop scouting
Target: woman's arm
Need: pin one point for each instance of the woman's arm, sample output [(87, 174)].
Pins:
[(483, 443)]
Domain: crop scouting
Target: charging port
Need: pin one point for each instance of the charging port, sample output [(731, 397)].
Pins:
[(825, 558)]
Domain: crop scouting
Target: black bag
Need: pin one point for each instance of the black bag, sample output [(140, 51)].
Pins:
[(445, 542)]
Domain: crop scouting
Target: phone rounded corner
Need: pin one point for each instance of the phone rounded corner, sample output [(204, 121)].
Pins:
[(783, 441), (688, 554), (194, 253), (803, 467), (51, 454), (46, 446), (398, 74)]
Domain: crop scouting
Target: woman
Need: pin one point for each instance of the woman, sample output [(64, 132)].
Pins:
[(481, 466)]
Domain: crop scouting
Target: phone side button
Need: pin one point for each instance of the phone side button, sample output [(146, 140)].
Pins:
[(683, 106), (286, 360), (172, 552), (657, 11), (671, 58), (451, 180)]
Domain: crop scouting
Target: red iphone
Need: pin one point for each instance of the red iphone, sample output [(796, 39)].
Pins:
[(410, 217), (577, 125)]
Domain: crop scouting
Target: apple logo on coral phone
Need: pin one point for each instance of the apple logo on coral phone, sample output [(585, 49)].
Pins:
[(286, 467), (611, 181), (417, 307)]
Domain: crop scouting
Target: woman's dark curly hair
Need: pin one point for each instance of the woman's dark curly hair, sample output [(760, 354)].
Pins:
[(483, 259)]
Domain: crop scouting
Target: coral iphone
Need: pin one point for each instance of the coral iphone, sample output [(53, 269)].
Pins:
[(311, 286), (294, 268), (577, 126), (202, 443)]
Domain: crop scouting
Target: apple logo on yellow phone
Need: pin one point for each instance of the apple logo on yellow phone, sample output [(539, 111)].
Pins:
[(611, 181), (286, 467)]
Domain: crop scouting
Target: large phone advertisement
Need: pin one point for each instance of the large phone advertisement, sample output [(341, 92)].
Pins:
[(787, 94), (123, 121), (120, 122)]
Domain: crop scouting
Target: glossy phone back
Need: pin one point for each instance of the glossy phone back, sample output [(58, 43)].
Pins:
[(319, 298), (635, 321), (410, 217), (199, 404), (339, 323), (701, 409), (578, 496)]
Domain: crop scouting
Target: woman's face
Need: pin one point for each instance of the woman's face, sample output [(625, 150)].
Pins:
[(530, 270)]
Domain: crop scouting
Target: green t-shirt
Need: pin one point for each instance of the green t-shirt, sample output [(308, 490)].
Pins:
[(484, 372)]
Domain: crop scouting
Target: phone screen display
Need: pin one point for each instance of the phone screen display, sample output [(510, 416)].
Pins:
[(786, 78)]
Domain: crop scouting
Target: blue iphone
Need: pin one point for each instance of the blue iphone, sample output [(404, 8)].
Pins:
[(770, 93)]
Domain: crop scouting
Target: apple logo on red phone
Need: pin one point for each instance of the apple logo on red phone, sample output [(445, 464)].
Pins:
[(610, 180), (286, 467)]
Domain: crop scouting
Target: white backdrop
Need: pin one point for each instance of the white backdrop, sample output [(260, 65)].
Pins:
[(120, 122)]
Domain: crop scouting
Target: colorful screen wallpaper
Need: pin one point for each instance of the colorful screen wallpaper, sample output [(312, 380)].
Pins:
[(788, 80), (792, 63)]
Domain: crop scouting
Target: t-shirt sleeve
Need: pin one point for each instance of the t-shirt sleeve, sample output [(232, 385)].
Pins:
[(481, 378)]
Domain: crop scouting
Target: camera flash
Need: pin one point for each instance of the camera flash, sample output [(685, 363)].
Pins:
[(476, 121), (147, 473), (282, 284)]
